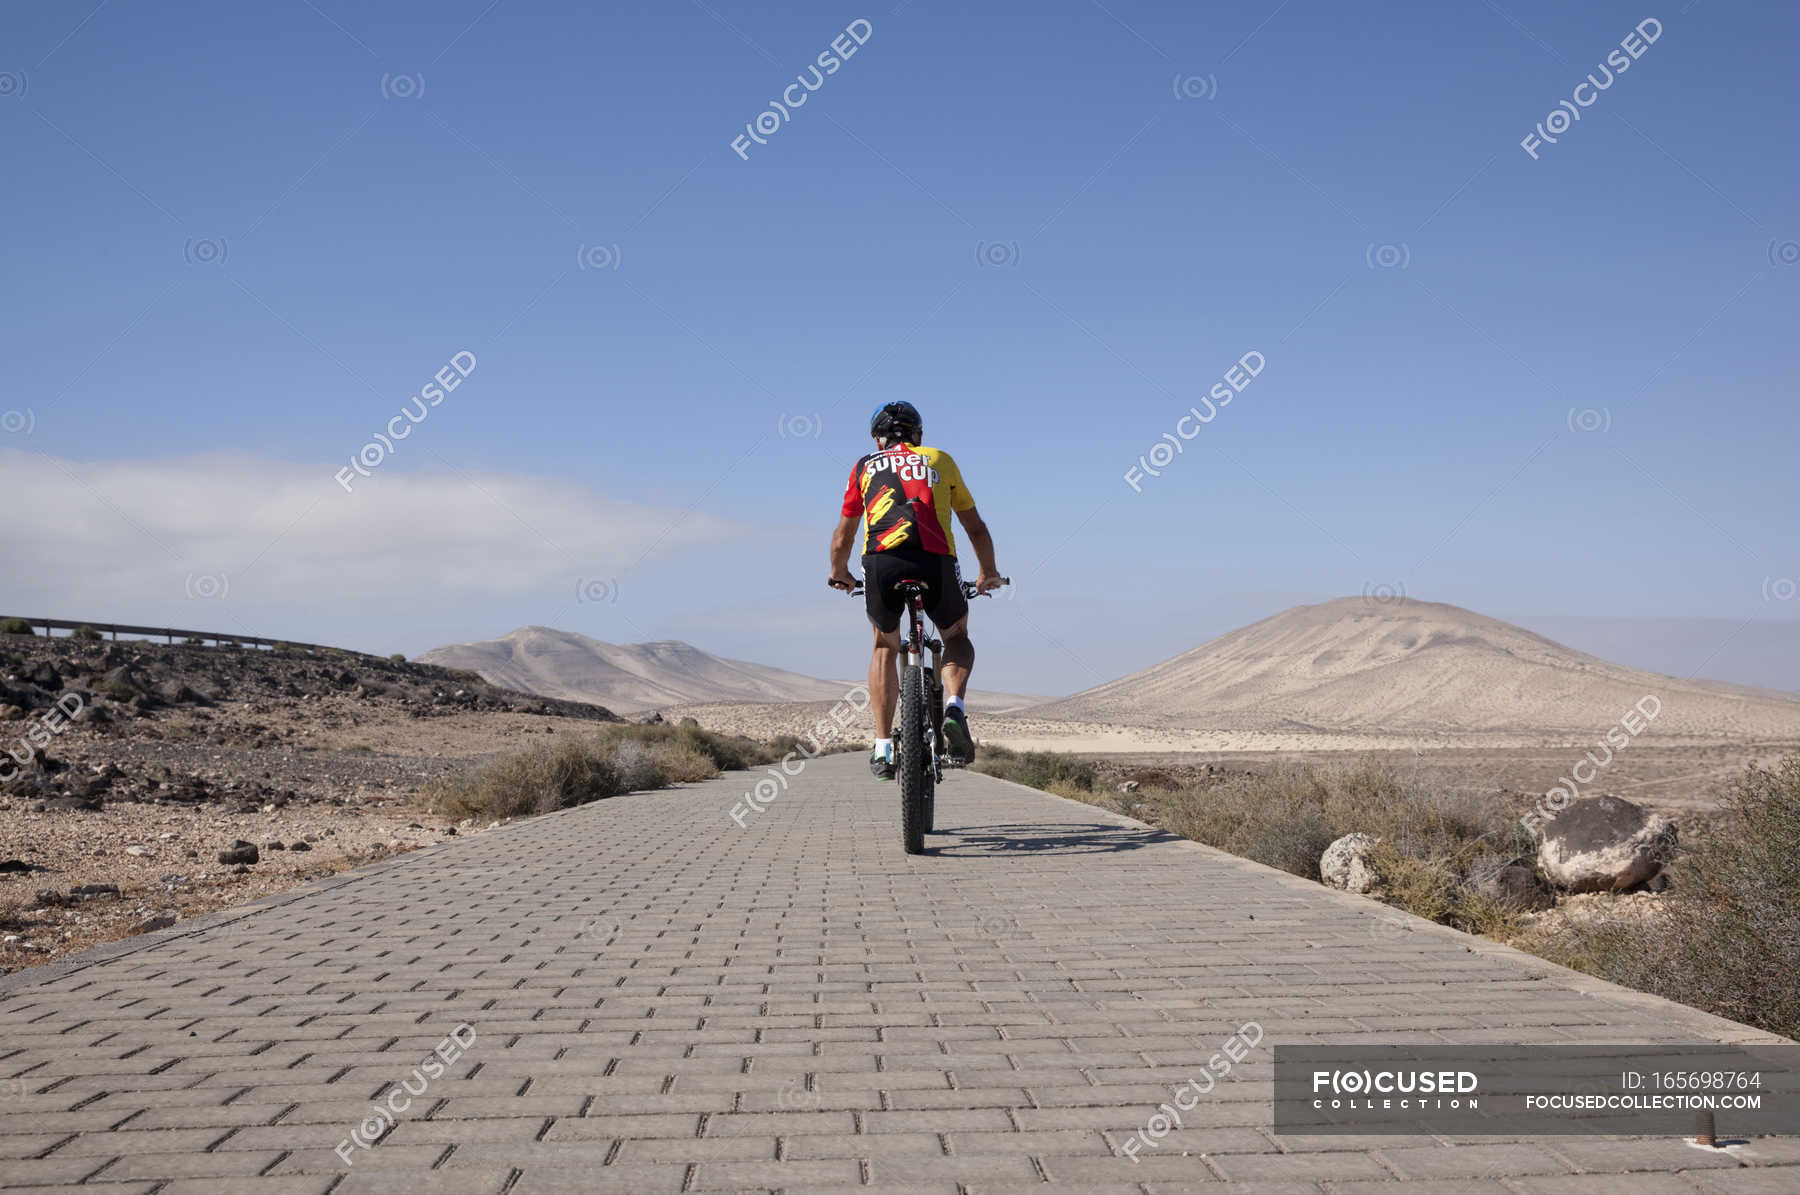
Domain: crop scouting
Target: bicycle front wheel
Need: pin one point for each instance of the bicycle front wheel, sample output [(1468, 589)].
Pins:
[(910, 763)]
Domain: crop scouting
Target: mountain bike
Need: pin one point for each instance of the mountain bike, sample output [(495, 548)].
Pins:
[(920, 753)]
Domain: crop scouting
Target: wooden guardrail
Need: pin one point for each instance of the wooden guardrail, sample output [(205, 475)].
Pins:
[(115, 629)]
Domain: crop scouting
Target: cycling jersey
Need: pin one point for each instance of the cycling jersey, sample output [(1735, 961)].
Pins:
[(905, 495)]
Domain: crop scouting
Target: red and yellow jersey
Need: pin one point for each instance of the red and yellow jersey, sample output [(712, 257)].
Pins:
[(905, 495)]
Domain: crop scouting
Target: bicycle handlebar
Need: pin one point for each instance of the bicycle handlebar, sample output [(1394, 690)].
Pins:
[(969, 589)]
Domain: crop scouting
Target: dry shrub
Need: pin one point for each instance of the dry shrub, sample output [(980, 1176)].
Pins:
[(1439, 889), (636, 765), (684, 766), (541, 780), (626, 757), (1286, 817), (1726, 937), (1049, 770)]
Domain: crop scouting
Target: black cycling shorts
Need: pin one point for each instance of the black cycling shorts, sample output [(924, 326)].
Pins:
[(944, 599)]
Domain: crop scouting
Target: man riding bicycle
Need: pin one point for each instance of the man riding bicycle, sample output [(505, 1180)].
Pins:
[(905, 493)]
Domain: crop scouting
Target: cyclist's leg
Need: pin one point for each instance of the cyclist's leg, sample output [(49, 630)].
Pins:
[(959, 657), (951, 614), (884, 608), (884, 680), (950, 611)]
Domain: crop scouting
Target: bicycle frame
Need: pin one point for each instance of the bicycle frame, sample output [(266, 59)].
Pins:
[(917, 642), (916, 645), (920, 746)]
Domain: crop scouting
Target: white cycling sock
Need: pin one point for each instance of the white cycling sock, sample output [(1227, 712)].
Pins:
[(884, 748), (955, 703)]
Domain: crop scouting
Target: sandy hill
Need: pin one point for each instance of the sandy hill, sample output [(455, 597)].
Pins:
[(627, 677), (1356, 665)]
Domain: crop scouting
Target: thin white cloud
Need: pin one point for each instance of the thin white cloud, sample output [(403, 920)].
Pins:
[(147, 535)]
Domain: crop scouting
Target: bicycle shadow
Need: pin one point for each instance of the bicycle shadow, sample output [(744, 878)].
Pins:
[(1037, 839)]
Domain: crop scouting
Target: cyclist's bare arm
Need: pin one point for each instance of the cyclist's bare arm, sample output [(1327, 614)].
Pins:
[(983, 543), (843, 540)]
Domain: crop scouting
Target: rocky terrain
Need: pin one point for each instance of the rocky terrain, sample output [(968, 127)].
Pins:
[(141, 782)]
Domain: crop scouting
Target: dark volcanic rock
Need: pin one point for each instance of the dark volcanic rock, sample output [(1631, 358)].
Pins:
[(73, 804), (123, 683), (240, 852), (174, 692), (1604, 844)]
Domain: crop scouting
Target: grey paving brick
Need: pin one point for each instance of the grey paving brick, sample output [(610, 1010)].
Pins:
[(1782, 1180), (265, 1185), (426, 1182), (1339, 1167), (550, 1179), (1470, 1161), (126, 1141), (1442, 1186), (1602, 1184), (1639, 1155), (664, 1001), (235, 1164), (730, 1176), (864, 1145)]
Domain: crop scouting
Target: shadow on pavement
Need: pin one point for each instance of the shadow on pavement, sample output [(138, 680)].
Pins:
[(1027, 838)]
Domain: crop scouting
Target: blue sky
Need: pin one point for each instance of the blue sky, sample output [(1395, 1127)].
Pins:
[(241, 238)]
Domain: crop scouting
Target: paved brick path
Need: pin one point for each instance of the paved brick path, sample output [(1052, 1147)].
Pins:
[(663, 1001)]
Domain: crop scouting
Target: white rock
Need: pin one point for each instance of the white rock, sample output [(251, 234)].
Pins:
[(1344, 863)]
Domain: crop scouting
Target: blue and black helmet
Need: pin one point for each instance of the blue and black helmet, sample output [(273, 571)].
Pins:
[(897, 421)]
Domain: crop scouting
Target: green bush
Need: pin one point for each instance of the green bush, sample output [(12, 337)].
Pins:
[(397, 658), (86, 634), (16, 626)]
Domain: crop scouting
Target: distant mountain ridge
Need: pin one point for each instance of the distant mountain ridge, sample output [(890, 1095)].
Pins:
[(1355, 664), (629, 677)]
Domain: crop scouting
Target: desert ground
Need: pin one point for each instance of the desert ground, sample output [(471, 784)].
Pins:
[(1665, 773), (181, 752)]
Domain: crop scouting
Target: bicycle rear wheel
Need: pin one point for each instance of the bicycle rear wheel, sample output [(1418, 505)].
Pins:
[(909, 758), (934, 713)]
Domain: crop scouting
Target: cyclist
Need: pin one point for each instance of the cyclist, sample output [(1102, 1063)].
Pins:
[(905, 492)]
